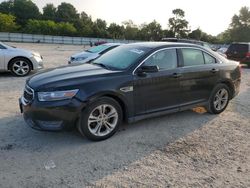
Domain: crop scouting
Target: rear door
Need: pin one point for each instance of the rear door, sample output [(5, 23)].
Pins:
[(237, 52), (200, 73), (159, 90)]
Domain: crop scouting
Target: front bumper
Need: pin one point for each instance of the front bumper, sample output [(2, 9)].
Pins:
[(51, 116), (37, 62)]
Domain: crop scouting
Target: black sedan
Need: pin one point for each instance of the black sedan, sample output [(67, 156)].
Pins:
[(130, 83)]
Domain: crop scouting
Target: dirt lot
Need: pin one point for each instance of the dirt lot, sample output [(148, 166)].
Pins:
[(187, 149)]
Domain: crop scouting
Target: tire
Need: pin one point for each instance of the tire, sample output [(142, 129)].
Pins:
[(20, 67), (219, 99), (95, 123)]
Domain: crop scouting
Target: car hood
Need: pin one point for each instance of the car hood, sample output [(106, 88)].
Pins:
[(19, 50), (67, 75), (83, 54)]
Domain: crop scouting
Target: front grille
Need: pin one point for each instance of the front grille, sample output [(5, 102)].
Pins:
[(28, 94)]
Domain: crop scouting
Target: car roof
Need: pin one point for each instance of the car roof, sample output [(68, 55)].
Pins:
[(164, 44), (247, 43), (112, 44), (183, 40)]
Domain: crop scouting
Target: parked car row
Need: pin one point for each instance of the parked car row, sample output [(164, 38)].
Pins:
[(111, 83), (21, 62)]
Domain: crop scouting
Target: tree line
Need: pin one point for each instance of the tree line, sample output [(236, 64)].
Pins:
[(24, 16)]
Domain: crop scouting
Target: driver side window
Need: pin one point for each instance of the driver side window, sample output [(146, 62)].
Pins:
[(164, 59)]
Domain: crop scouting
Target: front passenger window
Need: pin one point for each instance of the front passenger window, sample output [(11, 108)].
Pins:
[(164, 59)]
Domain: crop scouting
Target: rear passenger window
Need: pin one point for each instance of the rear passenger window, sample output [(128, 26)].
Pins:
[(192, 57), (164, 59), (209, 59)]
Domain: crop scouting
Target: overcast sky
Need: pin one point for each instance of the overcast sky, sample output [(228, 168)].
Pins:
[(212, 16)]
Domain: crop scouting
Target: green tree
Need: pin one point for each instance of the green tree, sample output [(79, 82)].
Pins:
[(7, 23), (41, 27), (151, 31), (116, 31), (155, 31), (66, 29), (131, 30), (178, 25), (66, 13), (196, 34), (167, 34), (84, 25), (48, 27), (6, 7), (224, 37), (100, 28), (49, 12), (24, 10), (21, 9), (239, 29)]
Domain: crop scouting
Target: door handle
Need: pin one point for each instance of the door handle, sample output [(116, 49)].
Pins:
[(177, 75), (214, 70)]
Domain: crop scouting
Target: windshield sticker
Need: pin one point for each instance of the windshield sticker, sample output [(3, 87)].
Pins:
[(137, 51)]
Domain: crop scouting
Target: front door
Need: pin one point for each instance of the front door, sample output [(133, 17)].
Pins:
[(159, 90)]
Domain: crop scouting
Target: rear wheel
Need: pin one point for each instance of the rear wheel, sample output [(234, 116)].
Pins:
[(20, 67), (101, 119), (219, 99)]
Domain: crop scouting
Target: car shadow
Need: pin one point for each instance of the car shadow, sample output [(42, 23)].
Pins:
[(78, 159), (10, 75)]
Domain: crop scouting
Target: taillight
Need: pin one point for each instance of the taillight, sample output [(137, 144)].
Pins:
[(248, 54), (240, 66)]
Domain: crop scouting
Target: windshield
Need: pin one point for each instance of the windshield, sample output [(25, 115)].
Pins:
[(122, 57), (3, 45), (98, 49)]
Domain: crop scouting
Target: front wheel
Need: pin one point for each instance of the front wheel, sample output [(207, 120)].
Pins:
[(101, 119), (219, 99), (20, 67)]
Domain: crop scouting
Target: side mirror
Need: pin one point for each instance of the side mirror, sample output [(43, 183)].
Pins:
[(148, 69)]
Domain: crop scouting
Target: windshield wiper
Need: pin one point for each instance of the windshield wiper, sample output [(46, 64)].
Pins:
[(102, 65), (88, 51)]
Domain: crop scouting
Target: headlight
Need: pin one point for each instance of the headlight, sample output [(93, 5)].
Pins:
[(80, 58), (57, 95), (36, 54)]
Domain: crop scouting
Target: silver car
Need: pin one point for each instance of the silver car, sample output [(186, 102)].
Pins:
[(19, 61), (92, 53)]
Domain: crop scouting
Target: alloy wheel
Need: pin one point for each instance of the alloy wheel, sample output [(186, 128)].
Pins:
[(102, 120), (221, 99), (20, 68)]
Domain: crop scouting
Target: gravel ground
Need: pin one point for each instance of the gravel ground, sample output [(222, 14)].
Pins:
[(186, 149)]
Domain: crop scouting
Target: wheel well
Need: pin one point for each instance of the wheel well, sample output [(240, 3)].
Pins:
[(122, 104), (21, 58), (230, 86)]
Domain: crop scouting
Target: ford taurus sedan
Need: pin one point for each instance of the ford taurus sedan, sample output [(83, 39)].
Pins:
[(129, 83), (92, 53), (19, 61)]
